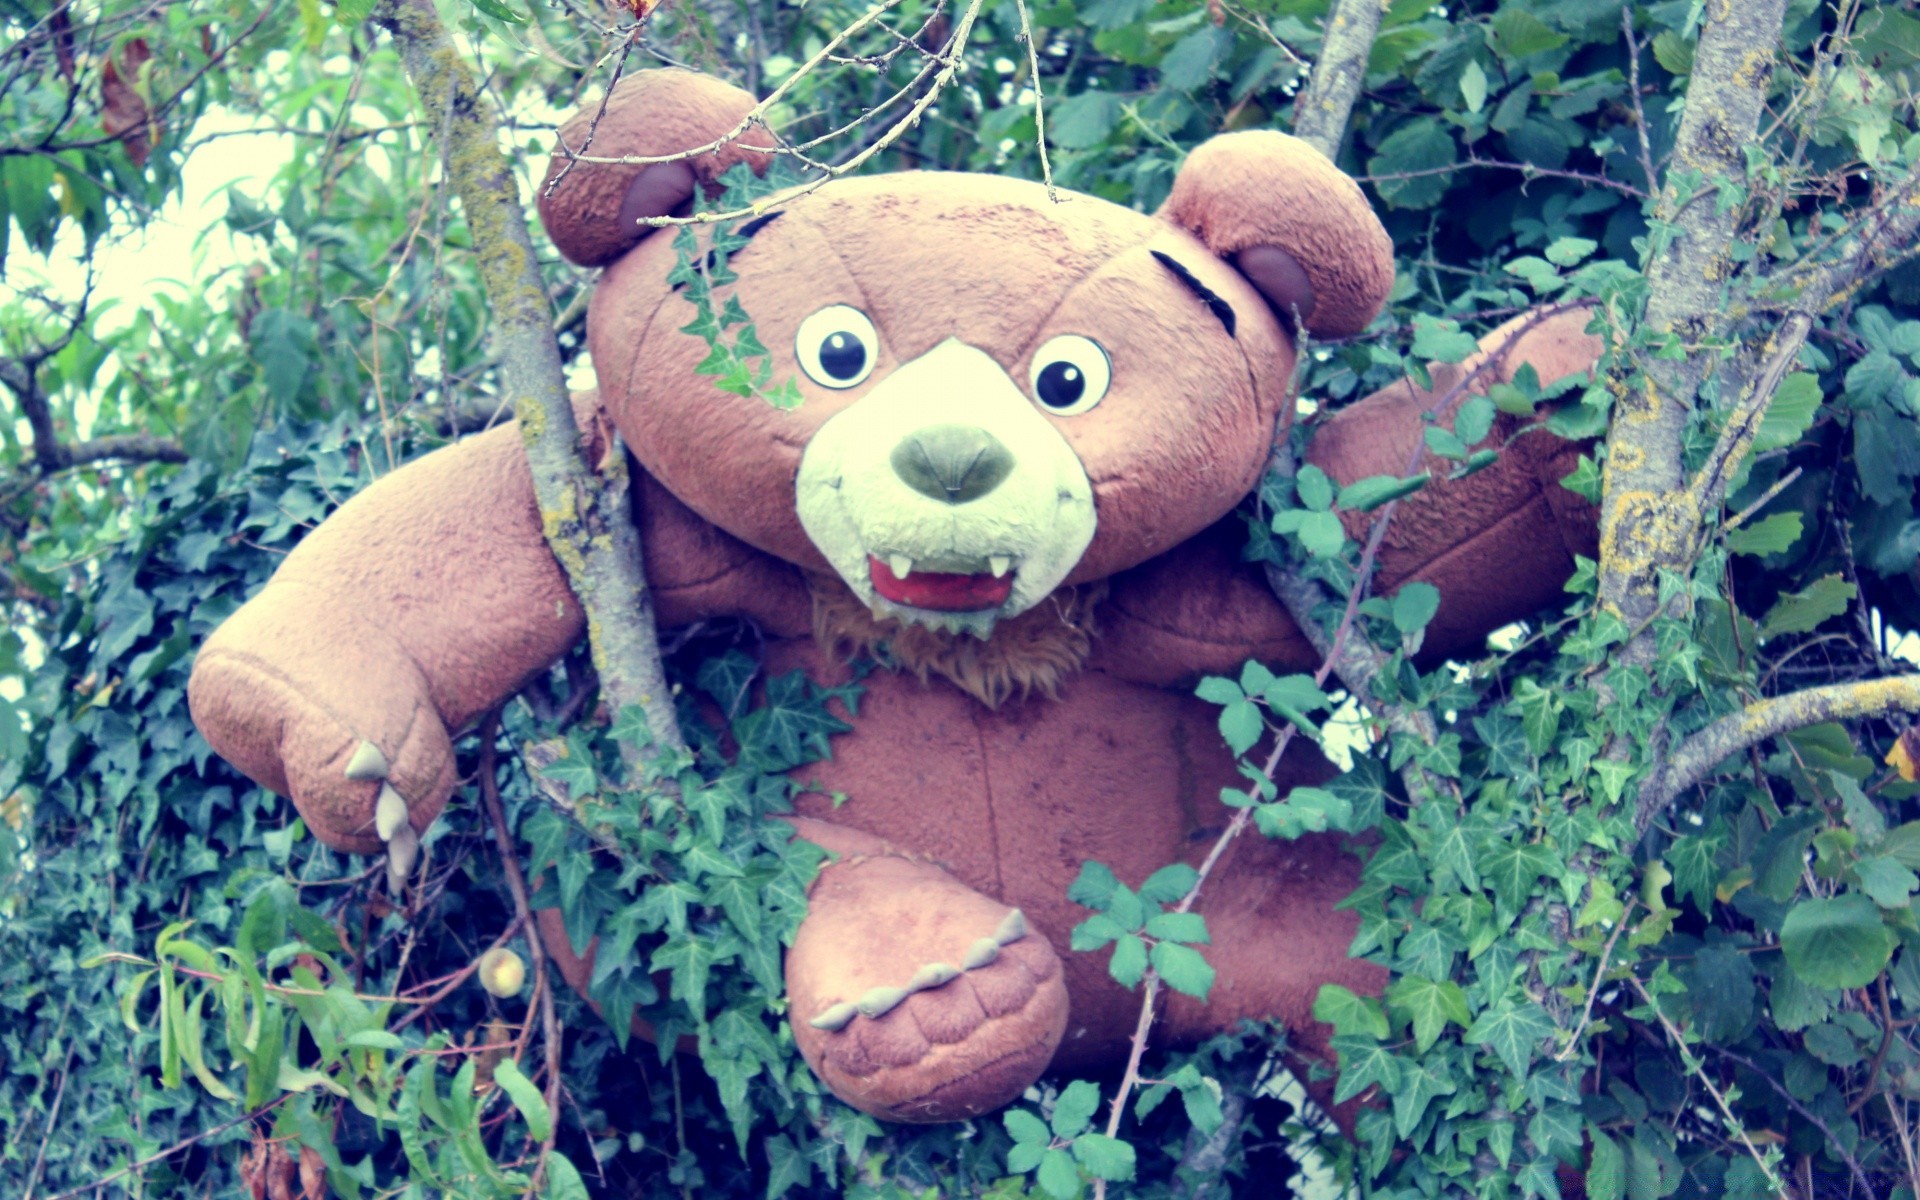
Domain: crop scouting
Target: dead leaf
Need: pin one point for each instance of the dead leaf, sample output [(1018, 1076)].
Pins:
[(1905, 755), (124, 113), (313, 1175)]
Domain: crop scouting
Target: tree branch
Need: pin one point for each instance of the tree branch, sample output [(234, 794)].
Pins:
[(1762, 719), (1889, 226), (1647, 517), (587, 516), (1321, 113)]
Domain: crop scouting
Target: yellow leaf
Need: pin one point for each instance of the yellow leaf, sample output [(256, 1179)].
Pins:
[(1905, 755)]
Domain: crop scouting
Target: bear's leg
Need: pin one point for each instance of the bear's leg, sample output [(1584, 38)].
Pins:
[(912, 996)]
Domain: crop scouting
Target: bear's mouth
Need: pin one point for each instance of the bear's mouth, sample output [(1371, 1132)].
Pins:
[(896, 579)]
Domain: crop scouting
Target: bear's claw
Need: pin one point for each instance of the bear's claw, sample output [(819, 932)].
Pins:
[(367, 763)]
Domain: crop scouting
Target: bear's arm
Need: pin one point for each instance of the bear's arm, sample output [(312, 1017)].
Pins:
[(419, 606), (1498, 544)]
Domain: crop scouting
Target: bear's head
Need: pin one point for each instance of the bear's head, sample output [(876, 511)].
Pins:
[(1003, 392)]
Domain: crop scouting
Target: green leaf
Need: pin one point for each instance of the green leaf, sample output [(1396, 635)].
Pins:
[(787, 1167), (1473, 87), (1417, 153), (1513, 1031), (1888, 883), (1057, 1176), (500, 11), (1673, 52), (563, 1178), (1216, 690), (1183, 927), (1104, 1157), (1314, 488), (1241, 725), (1566, 251), (1441, 340), (1169, 884), (1349, 1013), (1414, 605), (1774, 535), (1520, 33), (1084, 120), (1094, 886), (1129, 961), (1510, 870), (1606, 1167), (1429, 1005), (1074, 1110), (282, 344), (1024, 1126), (1810, 607), (1789, 414), (1839, 942), (525, 1097), (1365, 495), (1183, 969)]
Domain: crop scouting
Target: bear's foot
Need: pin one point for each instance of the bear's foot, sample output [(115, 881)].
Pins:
[(915, 998)]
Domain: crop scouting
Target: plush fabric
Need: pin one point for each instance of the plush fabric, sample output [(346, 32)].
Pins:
[(1025, 428)]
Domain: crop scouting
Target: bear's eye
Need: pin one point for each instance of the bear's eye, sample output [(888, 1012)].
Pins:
[(837, 346), (1070, 374)]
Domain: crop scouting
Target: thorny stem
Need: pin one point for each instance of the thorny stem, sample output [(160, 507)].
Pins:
[(950, 61)]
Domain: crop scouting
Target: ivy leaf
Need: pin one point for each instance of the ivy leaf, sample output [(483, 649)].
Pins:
[(1512, 1030), (1364, 1062), (1419, 1087), (787, 1168), (1430, 1006), (1510, 870), (1839, 942), (1414, 605), (1349, 1013)]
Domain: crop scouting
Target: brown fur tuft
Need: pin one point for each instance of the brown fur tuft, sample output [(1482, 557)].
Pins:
[(1034, 652)]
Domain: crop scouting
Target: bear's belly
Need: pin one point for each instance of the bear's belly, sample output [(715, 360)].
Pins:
[(1013, 801)]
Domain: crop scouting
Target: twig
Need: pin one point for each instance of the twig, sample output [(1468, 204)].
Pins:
[(1527, 169), (1593, 990), (1639, 109), (1779, 485), (1039, 101), (1698, 1068), (523, 909), (176, 1148)]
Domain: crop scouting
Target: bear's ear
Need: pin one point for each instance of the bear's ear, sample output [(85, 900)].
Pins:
[(593, 210), (1291, 222)]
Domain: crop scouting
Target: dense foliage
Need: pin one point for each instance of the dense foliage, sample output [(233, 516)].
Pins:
[(1719, 1004)]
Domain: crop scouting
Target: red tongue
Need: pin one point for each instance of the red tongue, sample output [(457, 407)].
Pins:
[(939, 591)]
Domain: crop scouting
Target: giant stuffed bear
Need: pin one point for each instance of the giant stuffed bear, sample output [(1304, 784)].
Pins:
[(1025, 427)]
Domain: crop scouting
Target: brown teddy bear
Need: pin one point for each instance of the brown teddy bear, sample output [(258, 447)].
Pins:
[(1025, 424)]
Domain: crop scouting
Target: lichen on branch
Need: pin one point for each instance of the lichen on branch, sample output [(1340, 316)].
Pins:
[(585, 512)]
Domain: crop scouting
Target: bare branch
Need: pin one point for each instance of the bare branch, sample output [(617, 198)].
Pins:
[(1321, 113), (586, 515), (1762, 719)]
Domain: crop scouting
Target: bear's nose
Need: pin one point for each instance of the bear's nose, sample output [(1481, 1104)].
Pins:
[(954, 463)]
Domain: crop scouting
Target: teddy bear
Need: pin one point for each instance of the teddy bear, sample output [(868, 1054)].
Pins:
[(1026, 424)]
